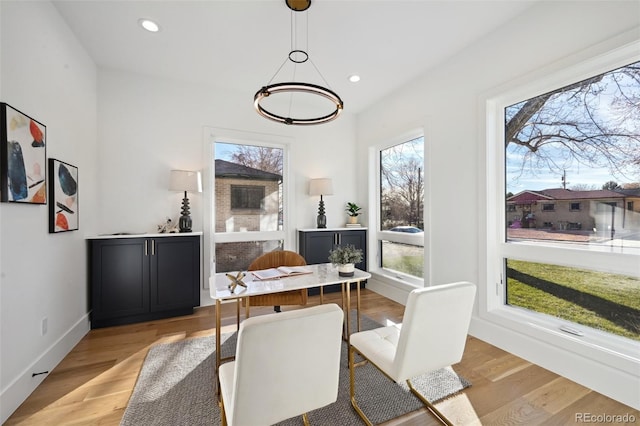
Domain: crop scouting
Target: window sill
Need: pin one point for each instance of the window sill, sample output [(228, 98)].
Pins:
[(613, 351)]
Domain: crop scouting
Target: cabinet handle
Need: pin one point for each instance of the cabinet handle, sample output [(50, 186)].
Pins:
[(145, 248), (153, 247)]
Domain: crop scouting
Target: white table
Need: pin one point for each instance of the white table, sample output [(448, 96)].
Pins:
[(322, 275)]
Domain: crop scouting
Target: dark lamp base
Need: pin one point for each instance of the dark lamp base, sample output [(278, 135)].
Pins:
[(185, 223)]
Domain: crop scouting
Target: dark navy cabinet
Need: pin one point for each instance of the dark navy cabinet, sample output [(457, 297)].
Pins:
[(314, 245), (137, 279)]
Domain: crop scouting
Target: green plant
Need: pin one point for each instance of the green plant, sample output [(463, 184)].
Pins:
[(352, 209), (342, 255)]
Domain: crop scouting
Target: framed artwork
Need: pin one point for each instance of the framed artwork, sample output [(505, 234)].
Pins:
[(63, 196), (23, 154)]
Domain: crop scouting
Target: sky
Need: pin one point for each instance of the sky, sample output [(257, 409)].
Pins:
[(547, 180)]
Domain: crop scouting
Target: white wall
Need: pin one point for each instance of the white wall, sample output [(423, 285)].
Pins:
[(46, 74), (124, 132), (149, 126), (446, 100), (142, 127)]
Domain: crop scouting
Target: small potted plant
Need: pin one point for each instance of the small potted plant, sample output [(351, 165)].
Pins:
[(344, 258), (353, 210)]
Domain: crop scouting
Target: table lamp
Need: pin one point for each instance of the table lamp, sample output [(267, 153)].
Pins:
[(321, 187), (185, 180)]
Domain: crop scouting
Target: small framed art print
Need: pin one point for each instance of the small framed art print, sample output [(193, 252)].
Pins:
[(23, 153), (63, 197)]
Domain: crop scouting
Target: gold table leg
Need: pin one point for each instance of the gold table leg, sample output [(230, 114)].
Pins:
[(348, 312), (358, 303), (218, 355)]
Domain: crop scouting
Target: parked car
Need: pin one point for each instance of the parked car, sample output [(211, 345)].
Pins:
[(407, 229)]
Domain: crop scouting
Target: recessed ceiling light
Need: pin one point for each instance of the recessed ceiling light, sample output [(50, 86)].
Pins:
[(149, 25), (354, 78)]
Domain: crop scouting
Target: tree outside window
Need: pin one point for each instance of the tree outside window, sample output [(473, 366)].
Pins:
[(574, 154)]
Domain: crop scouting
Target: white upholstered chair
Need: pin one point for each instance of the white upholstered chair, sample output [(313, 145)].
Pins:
[(432, 336), (286, 365)]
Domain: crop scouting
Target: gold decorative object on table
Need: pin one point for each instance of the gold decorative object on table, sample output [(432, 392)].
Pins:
[(236, 281)]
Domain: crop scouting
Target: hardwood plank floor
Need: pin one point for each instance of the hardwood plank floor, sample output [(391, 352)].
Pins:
[(93, 383)]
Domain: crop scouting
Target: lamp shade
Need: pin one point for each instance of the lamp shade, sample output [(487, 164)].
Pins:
[(322, 186), (185, 180)]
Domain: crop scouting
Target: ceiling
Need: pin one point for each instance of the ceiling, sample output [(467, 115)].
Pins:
[(240, 44)]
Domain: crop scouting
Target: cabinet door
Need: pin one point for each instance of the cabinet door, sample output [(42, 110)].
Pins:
[(357, 238), (175, 273), (119, 278), (315, 246)]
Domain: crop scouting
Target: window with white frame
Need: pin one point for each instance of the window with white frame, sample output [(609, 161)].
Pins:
[(574, 136), (248, 202), (400, 228)]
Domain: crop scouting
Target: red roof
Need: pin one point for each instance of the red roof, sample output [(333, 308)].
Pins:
[(563, 194)]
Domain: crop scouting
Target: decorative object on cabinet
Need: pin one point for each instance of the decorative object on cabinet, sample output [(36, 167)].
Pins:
[(187, 181), (344, 258), (315, 244), (23, 154), (167, 227), (63, 197), (137, 279), (297, 56), (353, 210), (321, 187)]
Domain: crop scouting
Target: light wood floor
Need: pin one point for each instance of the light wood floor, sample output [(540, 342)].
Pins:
[(92, 385)]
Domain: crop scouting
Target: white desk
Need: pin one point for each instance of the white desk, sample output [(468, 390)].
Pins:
[(322, 274)]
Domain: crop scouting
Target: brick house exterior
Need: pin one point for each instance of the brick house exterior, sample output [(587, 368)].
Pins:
[(564, 209), (247, 199)]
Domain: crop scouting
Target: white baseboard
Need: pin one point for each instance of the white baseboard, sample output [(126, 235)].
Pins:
[(388, 290), (18, 390)]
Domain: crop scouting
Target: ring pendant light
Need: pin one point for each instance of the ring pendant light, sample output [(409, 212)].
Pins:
[(298, 56)]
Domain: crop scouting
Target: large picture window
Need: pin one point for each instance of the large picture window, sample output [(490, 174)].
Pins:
[(401, 215), (568, 254), (248, 202)]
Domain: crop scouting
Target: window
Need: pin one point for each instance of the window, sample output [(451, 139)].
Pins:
[(581, 296), (401, 209), (247, 197), (548, 207), (563, 146), (248, 202)]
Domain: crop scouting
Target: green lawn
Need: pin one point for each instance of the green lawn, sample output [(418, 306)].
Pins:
[(412, 265), (608, 302)]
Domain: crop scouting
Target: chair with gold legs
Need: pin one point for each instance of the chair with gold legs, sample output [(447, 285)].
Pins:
[(432, 336), (286, 365)]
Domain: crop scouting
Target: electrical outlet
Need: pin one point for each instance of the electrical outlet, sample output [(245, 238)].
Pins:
[(45, 326)]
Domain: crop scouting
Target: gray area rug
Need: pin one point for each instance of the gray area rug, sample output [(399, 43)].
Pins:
[(176, 386)]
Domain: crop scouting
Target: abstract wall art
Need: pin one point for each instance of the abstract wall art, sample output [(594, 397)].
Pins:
[(23, 153), (63, 197)]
